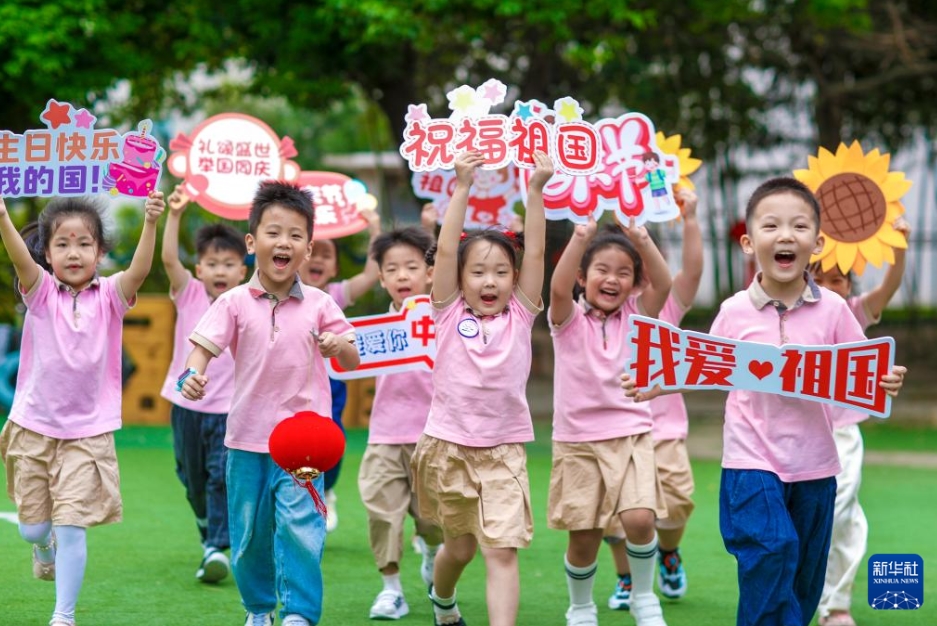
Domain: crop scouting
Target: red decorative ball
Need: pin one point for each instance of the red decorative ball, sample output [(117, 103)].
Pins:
[(307, 440)]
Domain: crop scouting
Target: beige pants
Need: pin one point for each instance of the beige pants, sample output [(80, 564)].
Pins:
[(386, 487), (70, 482)]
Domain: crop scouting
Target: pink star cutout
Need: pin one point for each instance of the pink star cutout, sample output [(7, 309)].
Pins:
[(416, 112), (56, 114), (83, 119), (492, 91)]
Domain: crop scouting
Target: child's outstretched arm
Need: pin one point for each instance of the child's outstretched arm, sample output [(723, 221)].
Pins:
[(193, 388), (446, 271), (359, 284), (893, 381), (564, 275), (875, 300), (178, 276), (530, 280), (686, 282), (658, 273), (132, 278), (26, 269), (342, 348), (428, 219)]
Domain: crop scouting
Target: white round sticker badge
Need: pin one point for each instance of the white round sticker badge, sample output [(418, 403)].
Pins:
[(468, 328)]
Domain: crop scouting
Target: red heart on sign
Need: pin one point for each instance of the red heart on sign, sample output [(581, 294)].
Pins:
[(760, 369)]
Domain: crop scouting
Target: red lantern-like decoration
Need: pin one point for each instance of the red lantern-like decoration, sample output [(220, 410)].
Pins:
[(306, 445)]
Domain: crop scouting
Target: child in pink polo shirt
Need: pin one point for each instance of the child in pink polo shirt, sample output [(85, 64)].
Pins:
[(318, 271), (398, 415), (603, 454), (470, 463), (669, 433), (271, 325), (58, 444), (850, 527), (779, 457), (199, 429)]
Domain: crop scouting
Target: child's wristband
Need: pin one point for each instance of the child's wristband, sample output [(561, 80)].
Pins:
[(189, 372)]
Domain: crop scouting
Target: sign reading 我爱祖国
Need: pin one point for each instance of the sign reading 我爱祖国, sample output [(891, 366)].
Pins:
[(844, 375), (70, 157), (392, 342), (614, 164)]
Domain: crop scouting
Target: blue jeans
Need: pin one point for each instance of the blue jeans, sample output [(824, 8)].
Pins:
[(780, 535), (339, 398), (198, 444), (277, 537)]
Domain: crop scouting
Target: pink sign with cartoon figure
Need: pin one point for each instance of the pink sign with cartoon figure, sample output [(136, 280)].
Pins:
[(226, 157), (337, 200), (491, 199), (70, 157)]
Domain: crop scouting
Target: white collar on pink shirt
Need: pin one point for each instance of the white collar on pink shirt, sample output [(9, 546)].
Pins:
[(594, 311), (761, 299), (257, 289), (482, 315)]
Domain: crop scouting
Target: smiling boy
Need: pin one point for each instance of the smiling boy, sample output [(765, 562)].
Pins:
[(269, 325)]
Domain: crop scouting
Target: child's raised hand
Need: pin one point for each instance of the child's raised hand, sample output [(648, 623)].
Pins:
[(194, 387), (630, 387), (154, 206), (373, 219), (330, 344), (428, 216), (544, 170), (892, 383), (586, 231), (637, 234), (178, 200), (687, 201), (903, 227), (3, 208), (465, 166)]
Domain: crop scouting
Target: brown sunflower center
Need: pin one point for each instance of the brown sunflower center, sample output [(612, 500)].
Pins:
[(852, 207)]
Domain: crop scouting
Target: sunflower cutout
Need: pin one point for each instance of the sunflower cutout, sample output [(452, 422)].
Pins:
[(688, 165), (859, 203)]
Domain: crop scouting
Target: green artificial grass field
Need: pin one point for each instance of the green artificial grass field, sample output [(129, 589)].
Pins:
[(141, 571)]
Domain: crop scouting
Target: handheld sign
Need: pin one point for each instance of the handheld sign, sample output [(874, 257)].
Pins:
[(337, 200), (70, 157), (226, 157), (859, 203), (392, 342), (491, 199), (845, 375)]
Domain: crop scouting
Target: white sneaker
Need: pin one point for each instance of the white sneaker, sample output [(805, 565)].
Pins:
[(582, 615), (295, 620), (214, 567), (331, 516), (646, 610), (417, 542), (259, 619), (389, 604), (429, 559)]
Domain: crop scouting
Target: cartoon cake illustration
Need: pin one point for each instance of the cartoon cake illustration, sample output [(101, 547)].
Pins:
[(138, 173)]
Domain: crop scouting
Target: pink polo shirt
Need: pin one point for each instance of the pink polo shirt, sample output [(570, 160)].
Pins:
[(480, 376), (591, 350), (339, 293), (191, 303), (401, 405), (669, 411), (842, 416), (68, 385), (788, 436), (278, 370)]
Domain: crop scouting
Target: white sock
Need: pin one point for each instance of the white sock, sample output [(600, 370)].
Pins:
[(445, 609), (580, 580), (392, 581), (642, 559), (70, 559)]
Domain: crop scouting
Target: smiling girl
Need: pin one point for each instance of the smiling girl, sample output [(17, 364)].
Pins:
[(58, 445)]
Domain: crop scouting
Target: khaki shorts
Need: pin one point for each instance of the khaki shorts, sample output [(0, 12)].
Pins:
[(592, 482), (676, 479), (482, 492), (72, 482), (386, 487)]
